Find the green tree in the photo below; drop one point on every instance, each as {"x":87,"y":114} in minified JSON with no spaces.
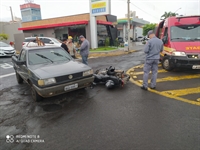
{"x":3,"y":36}
{"x":148,"y":27}
{"x":168,"y":14}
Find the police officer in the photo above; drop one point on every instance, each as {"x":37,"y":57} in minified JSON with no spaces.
{"x":152,"y":50}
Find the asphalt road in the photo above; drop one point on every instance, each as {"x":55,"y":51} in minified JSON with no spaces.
{"x":97,"y":119}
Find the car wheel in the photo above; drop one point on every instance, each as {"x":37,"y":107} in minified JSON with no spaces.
{"x":166,"y":64}
{"x":36,"y":97}
{"x":19,"y":78}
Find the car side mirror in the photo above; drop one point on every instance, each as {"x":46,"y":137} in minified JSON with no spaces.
{"x":19,"y":62}
{"x":164,"y":39}
{"x":51,"y":42}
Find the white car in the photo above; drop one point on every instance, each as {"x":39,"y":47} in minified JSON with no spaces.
{"x":6,"y":50}
{"x":48,"y":41}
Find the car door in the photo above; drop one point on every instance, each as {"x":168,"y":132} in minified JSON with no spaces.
{"x":23,"y":71}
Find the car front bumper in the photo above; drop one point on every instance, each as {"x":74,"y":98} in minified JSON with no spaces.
{"x":7,"y":53}
{"x":184,"y":62}
{"x":59,"y":89}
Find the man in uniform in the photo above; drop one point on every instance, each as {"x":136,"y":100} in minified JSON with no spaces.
{"x":152,"y":50}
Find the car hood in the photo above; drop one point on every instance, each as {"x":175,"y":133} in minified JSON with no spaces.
{"x":187,"y":47}
{"x":7,"y":48}
{"x":58,"y":69}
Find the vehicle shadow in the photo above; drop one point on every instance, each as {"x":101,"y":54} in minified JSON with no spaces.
{"x":191,"y":71}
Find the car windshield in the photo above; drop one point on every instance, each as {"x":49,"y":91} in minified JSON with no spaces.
{"x":55,"y":40}
{"x":185,"y":33}
{"x":2,"y":44}
{"x":50,"y":55}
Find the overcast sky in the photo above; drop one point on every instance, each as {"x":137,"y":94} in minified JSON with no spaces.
{"x":149,"y":10}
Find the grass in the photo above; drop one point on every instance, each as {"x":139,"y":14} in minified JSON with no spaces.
{"x":103,"y":49}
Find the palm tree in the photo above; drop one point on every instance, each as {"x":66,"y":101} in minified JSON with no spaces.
{"x":168,"y":14}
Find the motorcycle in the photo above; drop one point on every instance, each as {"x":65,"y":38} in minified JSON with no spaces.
{"x":111,"y":77}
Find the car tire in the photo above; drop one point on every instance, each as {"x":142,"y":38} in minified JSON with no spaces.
{"x":35,"y":96}
{"x":166,"y":64}
{"x":19,"y":78}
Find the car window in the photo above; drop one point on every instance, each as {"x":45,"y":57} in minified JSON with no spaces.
{"x":45,"y":40}
{"x":50,"y":55}
{"x":22,"y":56}
{"x":29,"y":39}
{"x":55,"y":40}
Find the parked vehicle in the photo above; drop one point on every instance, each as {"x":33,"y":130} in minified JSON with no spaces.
{"x":140,"y":38}
{"x":6,"y":50}
{"x":30,"y":41}
{"x":50,"y":71}
{"x":181,"y":38}
{"x":101,"y":42}
{"x":144,"y":39}
{"x":120,"y":39}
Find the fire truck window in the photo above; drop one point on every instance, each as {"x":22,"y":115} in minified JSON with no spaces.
{"x":165,"y":36}
{"x":166,"y":31}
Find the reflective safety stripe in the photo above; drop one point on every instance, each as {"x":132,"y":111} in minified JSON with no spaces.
{"x":168,"y":49}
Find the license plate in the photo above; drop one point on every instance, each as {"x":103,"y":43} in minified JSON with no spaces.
{"x":196,"y":67}
{"x":70,"y":87}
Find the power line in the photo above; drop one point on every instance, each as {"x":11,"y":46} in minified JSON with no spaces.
{"x":144,"y":11}
{"x":141,"y":9}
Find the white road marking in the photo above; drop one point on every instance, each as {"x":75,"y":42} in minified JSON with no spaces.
{"x":7,"y":75}
{"x":6,"y":66}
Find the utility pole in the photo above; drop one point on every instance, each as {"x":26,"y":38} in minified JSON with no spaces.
{"x":128,"y":15}
{"x":11,"y":14}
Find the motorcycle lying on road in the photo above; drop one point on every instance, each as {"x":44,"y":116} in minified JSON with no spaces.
{"x":111,"y":77}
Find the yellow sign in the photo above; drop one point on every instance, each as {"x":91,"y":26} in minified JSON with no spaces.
{"x":99,"y":5}
{"x":192,"y":48}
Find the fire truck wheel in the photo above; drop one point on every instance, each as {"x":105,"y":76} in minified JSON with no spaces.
{"x":166,"y":64}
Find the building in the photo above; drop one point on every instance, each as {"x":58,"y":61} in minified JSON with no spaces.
{"x":30,"y":12}
{"x":74,"y":26}
{"x":135,"y":26}
{"x":10,"y":28}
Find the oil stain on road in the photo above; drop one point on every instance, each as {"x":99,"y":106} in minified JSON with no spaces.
{"x":182,"y":85}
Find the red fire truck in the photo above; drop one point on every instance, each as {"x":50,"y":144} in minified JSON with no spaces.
{"x":181,"y":38}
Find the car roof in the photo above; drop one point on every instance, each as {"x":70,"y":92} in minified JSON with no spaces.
{"x":40,"y":47}
{"x":38,"y":37}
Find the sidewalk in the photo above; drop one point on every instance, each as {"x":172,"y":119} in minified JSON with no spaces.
{"x":120,"y":51}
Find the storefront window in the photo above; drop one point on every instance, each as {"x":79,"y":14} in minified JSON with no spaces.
{"x":76,"y":31}
{"x":102,"y":35}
